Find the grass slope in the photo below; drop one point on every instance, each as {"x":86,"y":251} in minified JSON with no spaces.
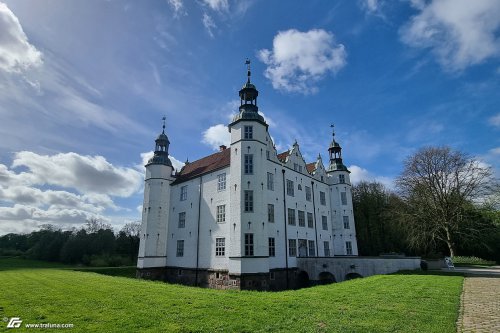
{"x":93,"y":302}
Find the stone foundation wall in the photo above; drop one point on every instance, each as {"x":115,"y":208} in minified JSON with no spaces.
{"x":221,"y":279}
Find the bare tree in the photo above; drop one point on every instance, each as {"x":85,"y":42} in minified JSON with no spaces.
{"x":132,"y":229}
{"x":93,"y":225}
{"x":437,"y":185}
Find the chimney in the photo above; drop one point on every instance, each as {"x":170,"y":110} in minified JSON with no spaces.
{"x":222,"y":147}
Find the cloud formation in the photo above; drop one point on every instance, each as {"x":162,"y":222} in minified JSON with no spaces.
{"x":216,"y":136}
{"x":495,"y":120}
{"x":217,"y":5}
{"x":62,"y":189}
{"x":16,"y":53}
{"x":209,"y":24}
{"x":359,"y":174}
{"x":298,"y":59}
{"x":460,"y":33}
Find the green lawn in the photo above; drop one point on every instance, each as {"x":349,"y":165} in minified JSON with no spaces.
{"x":94,"y":302}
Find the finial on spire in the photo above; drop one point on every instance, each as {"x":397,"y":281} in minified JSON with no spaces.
{"x":333,"y":129}
{"x":164,"y":118}
{"x":247,"y":62}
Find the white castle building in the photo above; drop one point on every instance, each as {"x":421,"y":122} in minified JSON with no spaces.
{"x":242,"y":217}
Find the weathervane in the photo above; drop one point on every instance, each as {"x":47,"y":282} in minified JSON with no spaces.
{"x":333,"y":129}
{"x":164,"y":118}
{"x":247,"y":62}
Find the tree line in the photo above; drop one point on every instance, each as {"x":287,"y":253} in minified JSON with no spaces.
{"x":95,"y":244}
{"x":444,"y":203}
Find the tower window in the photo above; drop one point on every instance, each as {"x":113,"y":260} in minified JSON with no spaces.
{"x":272,"y":247}
{"x":322,"y":198}
{"x":324,"y":222}
{"x":270,"y":181}
{"x":248,"y":201}
{"x":292,"y":247}
{"x":291,"y":216}
{"x":312,"y":248}
{"x":346,"y":221}
{"x":184,"y":192}
{"x":248,"y":244}
{"x":221,"y":182}
{"x":248,"y":164}
{"x":348,"y":248}
{"x":182,"y":220}
{"x":248,"y":132}
{"x":308,"y":194}
{"x":342,"y":179}
{"x":310,"y":221}
{"x":326,"y":248}
{"x":220,"y":247}
{"x":289,"y":188}
{"x":302,"y":218}
{"x":270,"y":213}
{"x":343,"y":198}
{"x":180,"y":248}
{"x":221,"y":213}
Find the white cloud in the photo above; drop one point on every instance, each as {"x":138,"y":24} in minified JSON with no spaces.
{"x":30,"y":193}
{"x":460,"y":33}
{"x":209,"y":24}
{"x":359,"y":174}
{"x":216,"y":136}
{"x":16,"y":53}
{"x":495,"y":120}
{"x":217,"y":5}
{"x":300,"y":59}
{"x":86,"y":174}
{"x":372,"y":7}
{"x":177,"y":6}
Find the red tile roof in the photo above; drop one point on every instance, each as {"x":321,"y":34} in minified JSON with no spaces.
{"x":311,"y":167}
{"x":205,"y":165}
{"x":282,"y":157}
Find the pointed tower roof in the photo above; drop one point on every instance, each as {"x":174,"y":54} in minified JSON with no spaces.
{"x":248,"y":101}
{"x":335,"y":152}
{"x":161,"y":149}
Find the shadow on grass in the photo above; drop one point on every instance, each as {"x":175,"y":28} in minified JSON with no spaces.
{"x":429,"y":272}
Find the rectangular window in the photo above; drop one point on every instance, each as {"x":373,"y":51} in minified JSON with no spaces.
{"x":348,"y":248}
{"x":310,"y":221}
{"x":302,"y":218}
{"x":268,"y":154}
{"x":248,"y":164}
{"x":343,"y":198}
{"x":221,"y":214}
{"x":302,"y":247}
{"x":182,"y":220}
{"x":322,"y":198}
{"x":295,"y":166}
{"x":292,"y":247}
{"x":248,"y":244}
{"x":248,"y":132}
{"x":289,"y":187}
{"x":346,"y":222}
{"x":308,"y":194}
{"x":342,"y":179}
{"x":180,"y":248}
{"x":270,"y":181}
{"x":300,"y":168}
{"x":220,"y":247}
{"x":326,"y":248}
{"x":312,"y":248}
{"x":324,"y":222}
{"x":291,"y":216}
{"x":184,"y":192}
{"x":270,"y":213}
{"x":221,"y":182}
{"x":272,"y":247}
{"x":248,"y":201}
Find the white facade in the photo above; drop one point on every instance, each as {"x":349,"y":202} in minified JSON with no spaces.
{"x":246,"y":209}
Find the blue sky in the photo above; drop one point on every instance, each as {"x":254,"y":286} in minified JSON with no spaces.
{"x":84,"y":85}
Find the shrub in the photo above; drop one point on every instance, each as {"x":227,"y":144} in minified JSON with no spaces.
{"x":471,"y":261}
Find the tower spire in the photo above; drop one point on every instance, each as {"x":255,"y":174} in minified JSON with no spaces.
{"x":164,"y":118}
{"x":335,"y":152}
{"x":249,"y":73}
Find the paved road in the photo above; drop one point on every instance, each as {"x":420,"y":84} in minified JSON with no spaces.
{"x":480,"y":301}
